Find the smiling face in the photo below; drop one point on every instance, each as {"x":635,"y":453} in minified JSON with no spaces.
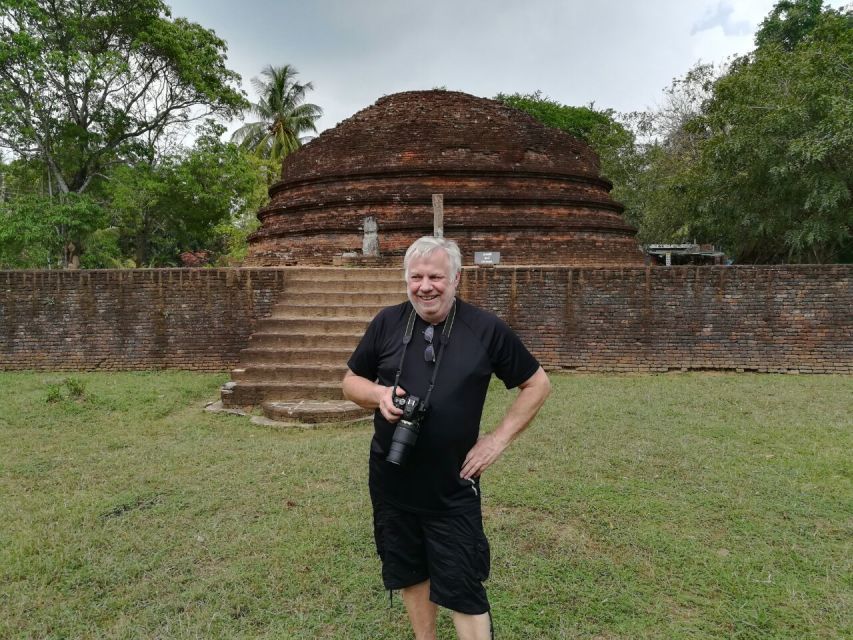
{"x":431,"y":290}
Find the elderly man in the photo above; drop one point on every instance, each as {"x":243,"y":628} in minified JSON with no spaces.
{"x":439,"y":352}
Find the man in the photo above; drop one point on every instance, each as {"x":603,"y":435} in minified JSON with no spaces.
{"x":426,"y":510}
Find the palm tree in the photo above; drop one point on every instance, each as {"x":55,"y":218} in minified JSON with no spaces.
{"x":283,"y":115}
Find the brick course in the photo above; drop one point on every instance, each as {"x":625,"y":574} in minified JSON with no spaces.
{"x":779,"y":318}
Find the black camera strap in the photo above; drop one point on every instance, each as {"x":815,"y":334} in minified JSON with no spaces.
{"x":407,"y":338}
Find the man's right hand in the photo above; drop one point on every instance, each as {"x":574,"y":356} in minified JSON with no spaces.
{"x":386,"y":406}
{"x":370,"y":395}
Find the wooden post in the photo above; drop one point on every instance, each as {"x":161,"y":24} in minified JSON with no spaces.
{"x":438,"y":215}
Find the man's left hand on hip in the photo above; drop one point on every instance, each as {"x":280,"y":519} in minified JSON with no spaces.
{"x":481,"y":456}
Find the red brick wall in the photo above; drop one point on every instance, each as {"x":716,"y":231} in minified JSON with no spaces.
{"x":131,"y":319}
{"x":787,"y":318}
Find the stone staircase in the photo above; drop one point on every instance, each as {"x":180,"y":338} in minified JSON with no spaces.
{"x":296,"y":357}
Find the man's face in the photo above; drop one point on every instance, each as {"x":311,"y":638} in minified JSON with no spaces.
{"x":431,"y":291}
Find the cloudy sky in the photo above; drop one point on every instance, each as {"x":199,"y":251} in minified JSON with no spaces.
{"x":618,"y":54}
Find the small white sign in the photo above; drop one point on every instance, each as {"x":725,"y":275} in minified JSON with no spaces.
{"x":487,"y":257}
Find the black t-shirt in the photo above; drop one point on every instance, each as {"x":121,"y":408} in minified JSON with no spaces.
{"x":480,"y":344}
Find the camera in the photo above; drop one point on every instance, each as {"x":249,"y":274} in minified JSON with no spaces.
{"x":406,"y":434}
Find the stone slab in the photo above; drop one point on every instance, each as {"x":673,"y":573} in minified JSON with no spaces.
{"x":217,"y":407}
{"x":314,"y":411}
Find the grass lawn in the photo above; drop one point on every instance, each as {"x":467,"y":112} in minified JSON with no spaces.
{"x":670,"y":506}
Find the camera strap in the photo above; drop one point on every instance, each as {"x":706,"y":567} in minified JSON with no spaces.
{"x":407,"y":338}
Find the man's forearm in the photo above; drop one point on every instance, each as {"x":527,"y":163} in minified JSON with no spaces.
{"x":370,"y":395}
{"x":520,"y":414}
{"x":524,"y":408}
{"x":362,"y":391}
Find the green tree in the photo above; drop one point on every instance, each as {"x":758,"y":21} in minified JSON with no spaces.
{"x":788,"y":23}
{"x":662,"y":185}
{"x":776,"y":171}
{"x":43,"y":232}
{"x":197,"y":199}
{"x":89,"y":84}
{"x":757,"y":158}
{"x":283,"y":115}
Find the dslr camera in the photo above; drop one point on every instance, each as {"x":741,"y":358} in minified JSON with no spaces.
{"x":406,"y":433}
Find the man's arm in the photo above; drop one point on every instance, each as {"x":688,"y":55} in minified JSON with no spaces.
{"x":533,"y":392}
{"x":370,"y":395}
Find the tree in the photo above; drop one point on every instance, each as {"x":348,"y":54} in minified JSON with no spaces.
{"x":187,"y":201}
{"x":283,"y":114}
{"x":788,"y":23}
{"x":40,"y":232}
{"x":661,"y":187}
{"x":756,"y":159}
{"x":776,"y":170}
{"x":88,"y":84}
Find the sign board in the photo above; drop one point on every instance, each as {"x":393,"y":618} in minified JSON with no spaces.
{"x":487,"y":257}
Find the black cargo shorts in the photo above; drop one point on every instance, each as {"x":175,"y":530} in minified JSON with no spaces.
{"x":449,"y":550}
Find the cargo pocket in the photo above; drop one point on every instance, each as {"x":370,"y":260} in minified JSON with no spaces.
{"x":379,"y":533}
{"x":483,"y":559}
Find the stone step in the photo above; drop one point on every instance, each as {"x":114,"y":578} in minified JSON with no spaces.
{"x":348,"y":276}
{"x":283,"y":373}
{"x":321,"y":355}
{"x":287,"y":311}
{"x":251,"y":394}
{"x":296,"y":358}
{"x":344,"y":273}
{"x":314,"y":411}
{"x":347,"y":296}
{"x":287,"y":341}
{"x":367,"y":285}
{"x":312,"y":326}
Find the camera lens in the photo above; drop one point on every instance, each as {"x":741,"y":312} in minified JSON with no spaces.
{"x":402,"y":442}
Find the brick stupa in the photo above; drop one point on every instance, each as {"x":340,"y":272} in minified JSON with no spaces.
{"x":510,"y":184}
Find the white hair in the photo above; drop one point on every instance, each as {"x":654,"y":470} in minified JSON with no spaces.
{"x":426,"y":245}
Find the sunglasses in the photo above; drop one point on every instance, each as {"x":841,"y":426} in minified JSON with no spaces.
{"x":429,"y":352}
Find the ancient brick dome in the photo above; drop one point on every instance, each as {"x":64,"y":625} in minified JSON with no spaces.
{"x":509,"y":183}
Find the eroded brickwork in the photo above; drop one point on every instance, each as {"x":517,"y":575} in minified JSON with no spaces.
{"x":787,"y":318}
{"x":510,"y":184}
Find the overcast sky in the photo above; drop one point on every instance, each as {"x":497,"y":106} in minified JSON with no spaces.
{"x":619,"y":54}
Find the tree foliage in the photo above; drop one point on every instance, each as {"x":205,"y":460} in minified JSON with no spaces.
{"x":760,"y":163}
{"x":182,"y":202}
{"x":777,"y":167}
{"x":283,"y":115}
{"x":146,"y":214}
{"x":92,"y":83}
{"x":789,"y":22}
{"x":662,"y":191}
{"x":37,"y":232}
{"x":93,"y":96}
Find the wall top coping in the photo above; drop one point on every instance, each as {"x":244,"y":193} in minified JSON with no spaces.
{"x":501,"y":268}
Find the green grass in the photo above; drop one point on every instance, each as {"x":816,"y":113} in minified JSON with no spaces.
{"x":672,"y":506}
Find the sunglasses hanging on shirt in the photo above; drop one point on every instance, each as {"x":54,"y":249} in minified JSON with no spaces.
{"x":429,"y":352}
